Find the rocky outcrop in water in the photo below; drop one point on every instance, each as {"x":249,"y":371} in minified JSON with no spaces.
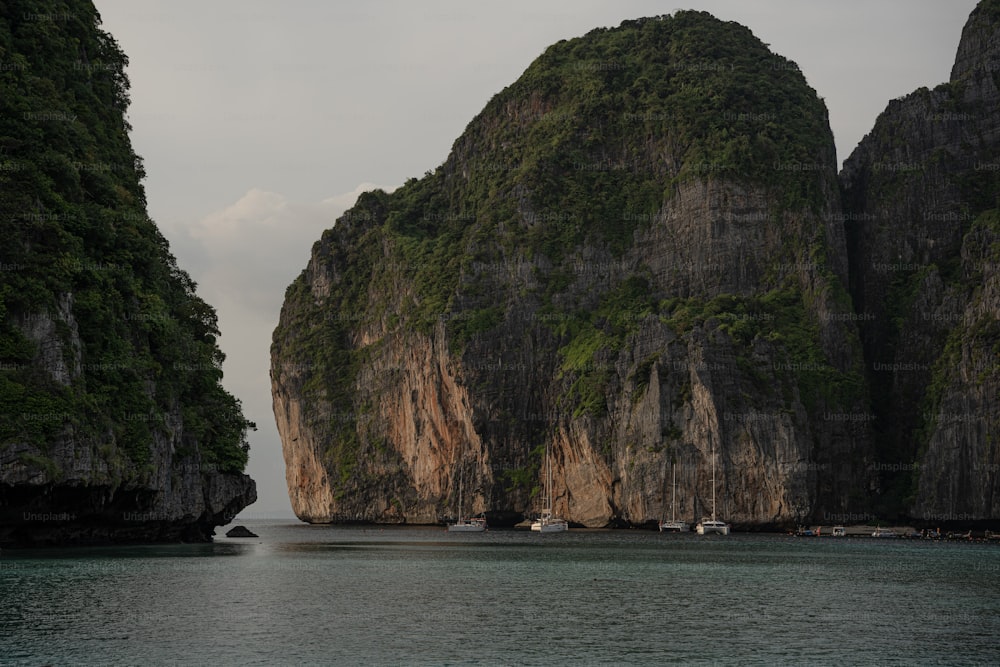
{"x":633,"y":258}
{"x":240,"y":531}
{"x":921,"y":196}
{"x":113,"y":424}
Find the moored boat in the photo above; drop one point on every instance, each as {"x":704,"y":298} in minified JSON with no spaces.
{"x":464,"y":524}
{"x":549,"y":524}
{"x":711,"y":525}
{"x":674,"y":525}
{"x":546,"y":522}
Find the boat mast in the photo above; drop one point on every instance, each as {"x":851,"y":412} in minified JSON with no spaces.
{"x":713,"y":480}
{"x":548,"y":484}
{"x":673,"y":496}
{"x":663,"y":496}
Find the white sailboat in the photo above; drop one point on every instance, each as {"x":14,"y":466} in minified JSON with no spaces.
{"x":711,"y":525}
{"x":674,"y":525}
{"x":546,"y":523}
{"x":465,"y":524}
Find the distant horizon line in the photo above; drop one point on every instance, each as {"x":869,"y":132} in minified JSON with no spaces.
{"x":266,"y":514}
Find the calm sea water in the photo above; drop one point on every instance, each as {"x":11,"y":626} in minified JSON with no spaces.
{"x":316,"y":595}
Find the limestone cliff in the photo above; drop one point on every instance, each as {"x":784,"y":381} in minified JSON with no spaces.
{"x":113,"y":424}
{"x":921,"y":193}
{"x":633,"y":258}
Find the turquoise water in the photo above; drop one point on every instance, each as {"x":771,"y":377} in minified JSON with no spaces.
{"x":311,"y":595}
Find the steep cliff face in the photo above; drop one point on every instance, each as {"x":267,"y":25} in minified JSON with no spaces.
{"x":113,"y":424}
{"x":632,"y":258}
{"x":958,"y":478}
{"x":920,"y":193}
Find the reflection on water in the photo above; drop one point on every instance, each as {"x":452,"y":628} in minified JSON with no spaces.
{"x":198,"y":550}
{"x":360,"y":595}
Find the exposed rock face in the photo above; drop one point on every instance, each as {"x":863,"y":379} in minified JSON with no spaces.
{"x":113,"y":424}
{"x":80,"y":492}
{"x":88,"y":507}
{"x":921,"y":192}
{"x":616,"y":265}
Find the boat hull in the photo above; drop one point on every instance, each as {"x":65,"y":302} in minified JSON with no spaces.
{"x":713,"y":528}
{"x":884,"y":533}
{"x":466,"y":526}
{"x":674,"y":527}
{"x":555,"y":526}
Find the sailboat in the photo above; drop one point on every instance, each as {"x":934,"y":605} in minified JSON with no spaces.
{"x":547,"y":523}
{"x":674,"y":525}
{"x":465,"y":524}
{"x":709,"y":526}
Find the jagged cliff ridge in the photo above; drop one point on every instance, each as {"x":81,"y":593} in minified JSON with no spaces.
{"x":921,"y":195}
{"x":633,"y":257}
{"x":113,"y":424}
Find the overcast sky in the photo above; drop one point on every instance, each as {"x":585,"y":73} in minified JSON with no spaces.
{"x":259,"y":122}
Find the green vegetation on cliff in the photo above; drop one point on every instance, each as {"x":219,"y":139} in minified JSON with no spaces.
{"x":81,"y":259}
{"x":587,"y":146}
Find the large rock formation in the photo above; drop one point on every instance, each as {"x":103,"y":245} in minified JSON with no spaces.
{"x":632,"y":258}
{"x":113,"y":424}
{"x":921,"y":196}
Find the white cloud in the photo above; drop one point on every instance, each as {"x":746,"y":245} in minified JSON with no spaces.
{"x":250,"y":251}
